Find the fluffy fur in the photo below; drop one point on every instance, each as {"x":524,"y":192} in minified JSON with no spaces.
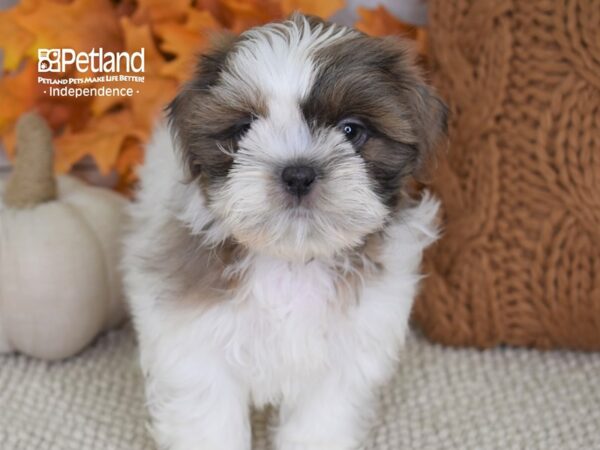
{"x":244,"y":294}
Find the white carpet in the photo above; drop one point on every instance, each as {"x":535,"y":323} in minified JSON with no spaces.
{"x":441,"y":399}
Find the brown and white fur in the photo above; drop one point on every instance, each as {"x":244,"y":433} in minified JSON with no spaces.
{"x":249,"y":287}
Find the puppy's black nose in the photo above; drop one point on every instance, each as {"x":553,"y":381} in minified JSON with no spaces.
{"x":298,"y":179}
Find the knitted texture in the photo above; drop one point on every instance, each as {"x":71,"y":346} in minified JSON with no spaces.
{"x":519,"y":262}
{"x":440,"y":399}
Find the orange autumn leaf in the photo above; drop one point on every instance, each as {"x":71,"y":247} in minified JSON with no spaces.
{"x":183,"y":39}
{"x":9,"y":141}
{"x":379,"y":22}
{"x":80,"y":24}
{"x":315,"y":7}
{"x":136,"y":37}
{"x":103,"y":139}
{"x":14,"y":40}
{"x":421,"y":39}
{"x":126,"y":7}
{"x":179,"y":69}
{"x":161,"y":10}
{"x":185,"y":42}
{"x":146,"y":107}
{"x":64,"y":111}
{"x":131,"y":156}
{"x":150,"y":96}
{"x":243,"y":14}
{"x":17,"y":94}
{"x":214,"y":7}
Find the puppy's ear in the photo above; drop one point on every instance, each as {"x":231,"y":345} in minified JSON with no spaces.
{"x":210,"y":64}
{"x":183,"y":109}
{"x":428,"y":113}
{"x":208,"y":69}
{"x":430,"y":121}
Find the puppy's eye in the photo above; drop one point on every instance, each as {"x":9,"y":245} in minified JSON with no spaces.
{"x":236,"y":131}
{"x":241,"y":129}
{"x":354,"y":130}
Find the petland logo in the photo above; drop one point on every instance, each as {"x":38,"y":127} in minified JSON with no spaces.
{"x":110,"y":72}
{"x":60,"y":59}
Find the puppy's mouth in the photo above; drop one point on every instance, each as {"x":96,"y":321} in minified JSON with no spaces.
{"x":301,"y":206}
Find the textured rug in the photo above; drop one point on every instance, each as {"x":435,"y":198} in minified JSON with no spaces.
{"x":441,"y":398}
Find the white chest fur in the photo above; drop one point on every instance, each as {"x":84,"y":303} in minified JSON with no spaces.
{"x":286,"y":325}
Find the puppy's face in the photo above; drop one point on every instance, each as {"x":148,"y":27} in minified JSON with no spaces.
{"x":300,"y":135}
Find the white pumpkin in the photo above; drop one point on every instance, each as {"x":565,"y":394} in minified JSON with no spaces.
{"x":59,"y":254}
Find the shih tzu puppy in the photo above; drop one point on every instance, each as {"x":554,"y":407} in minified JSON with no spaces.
{"x":275,"y":254}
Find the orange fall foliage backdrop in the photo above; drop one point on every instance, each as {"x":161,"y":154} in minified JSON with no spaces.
{"x":112,"y":130}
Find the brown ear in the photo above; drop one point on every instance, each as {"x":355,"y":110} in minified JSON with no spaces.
{"x":208,"y":70}
{"x":431,"y":120}
{"x":181,"y":111}
{"x":428,"y":112}
{"x":210,"y":64}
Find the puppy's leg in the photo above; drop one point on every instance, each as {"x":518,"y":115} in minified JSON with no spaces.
{"x":196,"y":404}
{"x":334,"y":414}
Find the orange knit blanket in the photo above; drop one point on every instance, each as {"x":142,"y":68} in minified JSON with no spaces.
{"x":519,"y":262}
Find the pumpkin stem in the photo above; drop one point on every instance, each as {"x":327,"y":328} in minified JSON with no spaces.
{"x":32,"y":180}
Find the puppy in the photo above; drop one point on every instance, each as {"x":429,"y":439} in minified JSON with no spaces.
{"x":275,"y":254}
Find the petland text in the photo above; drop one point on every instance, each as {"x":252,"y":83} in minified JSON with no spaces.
{"x":97,"y":60}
